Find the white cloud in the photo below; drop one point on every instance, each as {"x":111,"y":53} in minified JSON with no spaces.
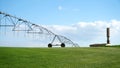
{"x":60,"y":28}
{"x":83,"y":33}
{"x":60,"y":7}
{"x":86,"y":33}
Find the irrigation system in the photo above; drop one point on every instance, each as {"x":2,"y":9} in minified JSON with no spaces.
{"x":19,"y":24}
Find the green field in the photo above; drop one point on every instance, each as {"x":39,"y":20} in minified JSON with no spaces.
{"x":96,"y":57}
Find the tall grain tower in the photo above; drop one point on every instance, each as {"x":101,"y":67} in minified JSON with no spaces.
{"x":108,"y":35}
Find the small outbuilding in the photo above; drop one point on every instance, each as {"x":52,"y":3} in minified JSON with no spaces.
{"x":98,"y":45}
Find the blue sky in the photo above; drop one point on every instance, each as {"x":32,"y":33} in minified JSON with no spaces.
{"x":62,"y":11}
{"x":67,"y":15}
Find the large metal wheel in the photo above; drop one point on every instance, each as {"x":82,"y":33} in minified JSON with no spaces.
{"x":62,"y":45}
{"x":49,"y":45}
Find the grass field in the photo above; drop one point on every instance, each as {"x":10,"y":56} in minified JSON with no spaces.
{"x":100,"y":57}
